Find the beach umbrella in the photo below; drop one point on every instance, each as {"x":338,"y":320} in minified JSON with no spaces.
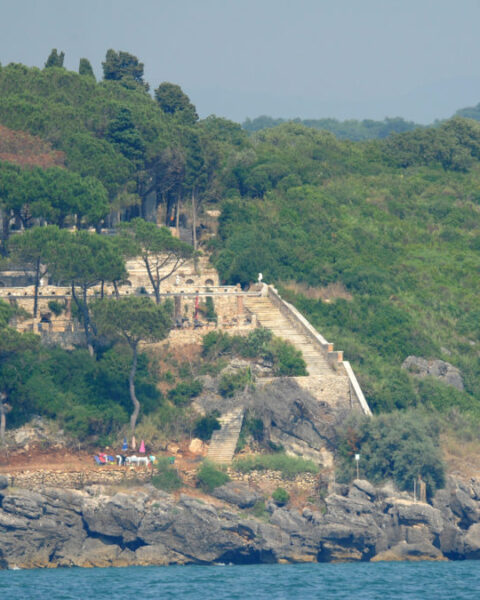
{"x":142,"y":448}
{"x":124,"y":445}
{"x":134,"y":442}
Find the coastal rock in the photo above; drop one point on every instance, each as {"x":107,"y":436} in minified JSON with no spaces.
{"x":117,"y":517}
{"x":439,"y":369}
{"x":58,"y":527}
{"x":364,"y":487}
{"x":410,"y":552}
{"x":472,"y":542}
{"x":413,"y":513}
{"x":237,"y":493}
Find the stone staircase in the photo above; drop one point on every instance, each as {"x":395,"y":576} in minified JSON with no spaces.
{"x":224,"y":441}
{"x":324,"y":382}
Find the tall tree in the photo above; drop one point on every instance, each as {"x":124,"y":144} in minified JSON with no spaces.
{"x":85,"y":68}
{"x":122,"y":66}
{"x":14,"y":349}
{"x":84,"y":260}
{"x":31,"y":250}
{"x":10,"y":177}
{"x":133,"y":319}
{"x":123,"y":134}
{"x":161,"y":253}
{"x":55,"y":59}
{"x":174,"y":101}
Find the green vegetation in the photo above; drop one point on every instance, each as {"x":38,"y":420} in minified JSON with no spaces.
{"x":157,"y":247}
{"x":88,"y":396}
{"x":398,"y":446}
{"x":375,"y":241}
{"x":210,"y":476}
{"x":280,"y":496}
{"x":260,"y":344}
{"x":166,"y":477}
{"x":133,"y":319}
{"x":234,"y":381}
{"x":290,"y":466}
{"x":205,"y":426}
{"x":183,"y":393}
{"x":252,"y":428}
{"x":57,"y":308}
{"x":393,"y":224}
{"x":344,"y":130}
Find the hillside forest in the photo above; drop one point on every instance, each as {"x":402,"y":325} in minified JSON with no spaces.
{"x":374,"y":237}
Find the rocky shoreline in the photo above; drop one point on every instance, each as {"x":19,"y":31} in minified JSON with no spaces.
{"x":54,"y":527}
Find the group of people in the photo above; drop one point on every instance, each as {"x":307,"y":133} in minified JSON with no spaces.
{"x":122,"y":459}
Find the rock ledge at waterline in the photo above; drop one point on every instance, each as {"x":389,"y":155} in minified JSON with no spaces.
{"x":54,"y":527}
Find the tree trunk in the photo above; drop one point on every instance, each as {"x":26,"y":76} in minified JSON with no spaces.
{"x":5,"y":231}
{"x":194,"y":220}
{"x":177,"y":216}
{"x":3,"y":418}
{"x":115,"y":287}
{"x":155,"y":284}
{"x":131,"y":383}
{"x":83,"y":308}
{"x":37,"y":285}
{"x":102,"y":289}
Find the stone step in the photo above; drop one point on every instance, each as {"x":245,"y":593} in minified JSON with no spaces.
{"x":224,"y":441}
{"x":323,"y":382}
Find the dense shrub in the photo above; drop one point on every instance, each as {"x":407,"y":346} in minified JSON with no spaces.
{"x":166,"y":477}
{"x":280,"y":496}
{"x":208,"y":310}
{"x":185,"y":391}
{"x":205,"y":426}
{"x":56,"y":307}
{"x":234,"y":381}
{"x":287,"y":360}
{"x":399,"y":446}
{"x":252,"y":427}
{"x":210,"y":477}
{"x":258,"y":344}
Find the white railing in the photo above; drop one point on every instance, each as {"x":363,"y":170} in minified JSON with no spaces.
{"x":334,"y":357}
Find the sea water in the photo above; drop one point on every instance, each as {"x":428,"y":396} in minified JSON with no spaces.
{"x":323,"y":581}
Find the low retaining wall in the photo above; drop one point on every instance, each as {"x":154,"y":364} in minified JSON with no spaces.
{"x":77,"y":480}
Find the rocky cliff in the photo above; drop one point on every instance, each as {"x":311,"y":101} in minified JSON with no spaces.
{"x":52,"y":527}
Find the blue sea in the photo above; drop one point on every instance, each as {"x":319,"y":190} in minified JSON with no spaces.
{"x":325,"y":581}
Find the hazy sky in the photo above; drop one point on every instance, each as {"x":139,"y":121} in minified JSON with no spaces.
{"x":236,"y":58}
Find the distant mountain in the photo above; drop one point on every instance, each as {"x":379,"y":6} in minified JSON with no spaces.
{"x":344,"y":130}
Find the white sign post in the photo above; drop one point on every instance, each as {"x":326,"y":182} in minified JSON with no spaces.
{"x":357,"y":460}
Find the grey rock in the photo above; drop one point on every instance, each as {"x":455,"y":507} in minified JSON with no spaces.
{"x":417,"y":534}
{"x":24,"y":504}
{"x":56,"y":527}
{"x":237,"y":493}
{"x":365,"y":487}
{"x":441,"y":370}
{"x":472,"y":542}
{"x":3,"y":482}
{"x":417,"y":513}
{"x":117,"y":517}
{"x":405,"y":551}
